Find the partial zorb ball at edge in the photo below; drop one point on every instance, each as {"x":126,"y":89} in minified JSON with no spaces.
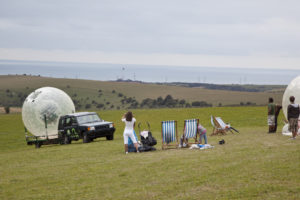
{"x":293,"y":89}
{"x":49,"y":103}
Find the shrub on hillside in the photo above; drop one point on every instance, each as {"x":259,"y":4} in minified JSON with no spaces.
{"x":201,"y":104}
{"x":188,"y":105}
{"x":7,"y":109}
{"x":100,"y":105}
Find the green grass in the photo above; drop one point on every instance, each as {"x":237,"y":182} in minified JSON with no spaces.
{"x":251,"y":165}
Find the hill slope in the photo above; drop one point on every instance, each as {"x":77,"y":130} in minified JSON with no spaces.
{"x":88,"y":94}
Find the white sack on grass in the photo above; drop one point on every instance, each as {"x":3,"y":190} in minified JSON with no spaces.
{"x":201,"y":147}
{"x":144,"y":134}
{"x":285,"y":130}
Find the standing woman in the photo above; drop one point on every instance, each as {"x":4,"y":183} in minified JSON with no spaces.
{"x":129,"y":121}
{"x":293,"y":115}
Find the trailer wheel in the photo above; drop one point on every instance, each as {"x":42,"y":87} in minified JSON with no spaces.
{"x":86,"y":138}
{"x":110,"y":137}
{"x":38,"y":145}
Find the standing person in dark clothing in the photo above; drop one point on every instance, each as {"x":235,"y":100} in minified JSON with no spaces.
{"x":277,"y":111}
{"x":271,"y":115}
{"x":293,"y":112}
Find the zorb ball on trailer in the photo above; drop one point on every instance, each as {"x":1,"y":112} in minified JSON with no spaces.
{"x":293,"y":89}
{"x":43,"y":107}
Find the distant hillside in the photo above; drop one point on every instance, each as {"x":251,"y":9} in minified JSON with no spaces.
{"x":230,"y":87}
{"x":233,"y":87}
{"x":91,"y":95}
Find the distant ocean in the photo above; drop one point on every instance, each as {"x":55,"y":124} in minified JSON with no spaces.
{"x":147,"y":73}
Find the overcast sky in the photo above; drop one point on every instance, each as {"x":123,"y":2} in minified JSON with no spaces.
{"x":231,"y":33}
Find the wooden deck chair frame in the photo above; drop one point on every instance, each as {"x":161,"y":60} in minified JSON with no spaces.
{"x":166,"y":126}
{"x":192,"y":131}
{"x":217,"y":128}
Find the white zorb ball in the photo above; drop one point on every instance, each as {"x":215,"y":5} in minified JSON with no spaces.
{"x":293,"y":89}
{"x":46,"y":102}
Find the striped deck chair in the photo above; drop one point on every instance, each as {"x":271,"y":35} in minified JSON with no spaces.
{"x":169,"y":134}
{"x":219,"y":126}
{"x":190,"y":129}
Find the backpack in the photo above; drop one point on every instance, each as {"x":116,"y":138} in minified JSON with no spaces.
{"x":149,"y":141}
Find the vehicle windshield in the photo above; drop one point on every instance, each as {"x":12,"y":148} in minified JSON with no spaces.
{"x":88,"y":119}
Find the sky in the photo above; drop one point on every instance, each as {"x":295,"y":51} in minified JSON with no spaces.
{"x":216,"y":33}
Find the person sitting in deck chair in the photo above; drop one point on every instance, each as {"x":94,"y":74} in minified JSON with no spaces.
{"x":225,"y":126}
{"x":220,"y":127}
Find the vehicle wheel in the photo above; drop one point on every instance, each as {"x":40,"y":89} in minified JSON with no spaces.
{"x":86,"y":138}
{"x":110,"y":137}
{"x":38,"y":145}
{"x":66,"y":140}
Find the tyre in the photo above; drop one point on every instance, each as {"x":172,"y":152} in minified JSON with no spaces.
{"x":66,"y":139}
{"x":38,"y":145}
{"x":86,"y":138}
{"x":110,"y":137}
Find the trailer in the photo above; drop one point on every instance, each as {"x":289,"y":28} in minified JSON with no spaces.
{"x":46,"y":139}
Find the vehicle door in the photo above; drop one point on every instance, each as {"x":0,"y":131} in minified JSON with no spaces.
{"x":61,"y":123}
{"x":68,"y":126}
{"x":74,"y":128}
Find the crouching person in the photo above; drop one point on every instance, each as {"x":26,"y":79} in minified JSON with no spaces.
{"x":131,"y":147}
{"x":202,"y":134}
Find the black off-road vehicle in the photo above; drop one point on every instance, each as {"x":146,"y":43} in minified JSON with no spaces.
{"x":84,"y":125}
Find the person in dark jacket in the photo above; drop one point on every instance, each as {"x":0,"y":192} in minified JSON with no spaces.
{"x":277,"y":111}
{"x":293,"y":112}
{"x":271,"y":115}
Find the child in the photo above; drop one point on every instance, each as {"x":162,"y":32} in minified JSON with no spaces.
{"x":202,"y":133}
{"x":131,"y":147}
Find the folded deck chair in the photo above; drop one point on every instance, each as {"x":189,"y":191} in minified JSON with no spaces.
{"x":219,"y":126}
{"x":169,"y":134}
{"x":190,"y":129}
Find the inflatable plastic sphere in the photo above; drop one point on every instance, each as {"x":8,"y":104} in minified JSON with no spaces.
{"x":293,"y":89}
{"x":45,"y":104}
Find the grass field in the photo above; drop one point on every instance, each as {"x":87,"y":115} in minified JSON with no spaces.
{"x":251,"y":165}
{"x":87,"y":92}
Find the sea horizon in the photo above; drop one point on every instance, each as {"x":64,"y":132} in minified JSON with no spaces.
{"x":149,"y":73}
